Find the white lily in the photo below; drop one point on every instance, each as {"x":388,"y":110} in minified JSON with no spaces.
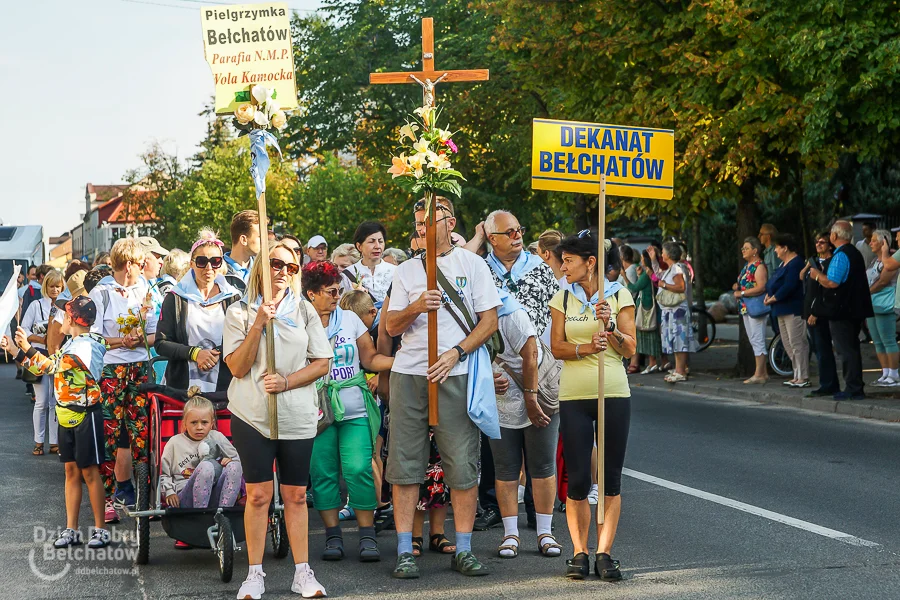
{"x":440,"y":163}
{"x":408,"y":131}
{"x":260,"y":93}
{"x":425,"y":113}
{"x":272,"y":107}
{"x":261,"y":119}
{"x":444,"y":135}
{"x":421,"y":146}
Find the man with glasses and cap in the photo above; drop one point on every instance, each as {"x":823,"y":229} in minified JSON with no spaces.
{"x":316,"y":249}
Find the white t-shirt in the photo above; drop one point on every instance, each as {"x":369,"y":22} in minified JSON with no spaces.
{"x":346,"y":363}
{"x":515,"y":329}
{"x":471,"y":277}
{"x":204,"y":329}
{"x":298,"y":413}
{"x":120,"y":316}
{"x":377,"y":283}
{"x":36,"y":318}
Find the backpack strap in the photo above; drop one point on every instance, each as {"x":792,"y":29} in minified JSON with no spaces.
{"x":565,"y":302}
{"x":451,"y":293}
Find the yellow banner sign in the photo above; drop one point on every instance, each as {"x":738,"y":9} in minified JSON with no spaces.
{"x":247,"y":45}
{"x":569,"y":156}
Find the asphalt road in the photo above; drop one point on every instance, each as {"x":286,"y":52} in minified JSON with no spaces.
{"x":703,"y":474}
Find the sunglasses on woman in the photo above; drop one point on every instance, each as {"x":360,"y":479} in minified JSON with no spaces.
{"x":333,"y":292}
{"x":277,"y":265}
{"x":203,"y":261}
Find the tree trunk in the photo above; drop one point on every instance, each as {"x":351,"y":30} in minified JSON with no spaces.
{"x":747,"y":223}
{"x":697,"y":263}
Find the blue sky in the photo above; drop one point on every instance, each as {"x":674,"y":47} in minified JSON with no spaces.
{"x":88,"y":85}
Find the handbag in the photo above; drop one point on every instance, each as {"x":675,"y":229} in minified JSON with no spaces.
{"x":548,"y":380}
{"x":671,"y":299}
{"x":883,"y":300}
{"x":646,"y":318}
{"x":756,"y":308}
{"x":323,"y":399}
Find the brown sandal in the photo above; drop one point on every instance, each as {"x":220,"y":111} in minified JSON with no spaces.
{"x":514,"y":549}
{"x":38,"y":450}
{"x":54,"y":449}
{"x":550,"y":545}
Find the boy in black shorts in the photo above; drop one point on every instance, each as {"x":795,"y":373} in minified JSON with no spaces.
{"x":76,"y":370}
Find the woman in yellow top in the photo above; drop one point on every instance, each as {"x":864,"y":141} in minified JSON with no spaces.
{"x":576,"y":338}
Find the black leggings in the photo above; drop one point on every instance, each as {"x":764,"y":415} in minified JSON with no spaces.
{"x":258,"y":454}
{"x":577,"y":426}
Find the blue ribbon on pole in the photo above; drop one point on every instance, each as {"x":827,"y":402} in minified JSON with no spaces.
{"x":259,"y":166}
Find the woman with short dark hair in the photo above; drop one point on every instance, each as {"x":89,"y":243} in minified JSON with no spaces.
{"x":577,"y":314}
{"x":784,"y":293}
{"x":371,"y":273}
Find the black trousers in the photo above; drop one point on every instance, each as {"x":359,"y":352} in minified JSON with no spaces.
{"x":828,"y":379}
{"x":845,"y":334}
{"x":487,"y":495}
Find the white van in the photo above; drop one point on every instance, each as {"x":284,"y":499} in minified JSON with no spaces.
{"x":20,"y":244}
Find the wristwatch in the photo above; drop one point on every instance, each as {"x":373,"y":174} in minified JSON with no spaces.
{"x":462,"y":353}
{"x":611,"y":327}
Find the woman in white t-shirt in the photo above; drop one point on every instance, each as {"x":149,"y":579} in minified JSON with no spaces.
{"x":302,"y":354}
{"x":193,"y":320}
{"x":35,"y":323}
{"x":371,"y":273}
{"x":346,"y":447}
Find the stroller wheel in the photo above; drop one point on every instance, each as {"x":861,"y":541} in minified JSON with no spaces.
{"x":225,"y":548}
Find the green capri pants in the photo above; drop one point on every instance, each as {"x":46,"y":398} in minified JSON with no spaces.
{"x":344,"y":448}
{"x":881,"y":328}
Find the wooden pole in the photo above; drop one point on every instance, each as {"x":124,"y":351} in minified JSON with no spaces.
{"x":271,"y":399}
{"x":431,"y":283}
{"x":601,"y":371}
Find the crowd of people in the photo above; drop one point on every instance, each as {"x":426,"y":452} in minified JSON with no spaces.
{"x":522,"y":330}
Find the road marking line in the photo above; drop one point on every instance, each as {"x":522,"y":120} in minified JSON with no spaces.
{"x":754,"y":510}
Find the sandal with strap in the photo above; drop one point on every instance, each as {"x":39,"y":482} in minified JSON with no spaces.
{"x":551,"y":548}
{"x":38,"y":450}
{"x":368,"y":550}
{"x":417,"y":544}
{"x":440,"y":544}
{"x":54,"y":449}
{"x":606,"y":568}
{"x":511,"y":547}
{"x":334,"y":548}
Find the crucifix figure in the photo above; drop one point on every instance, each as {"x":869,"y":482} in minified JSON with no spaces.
{"x":428,"y":78}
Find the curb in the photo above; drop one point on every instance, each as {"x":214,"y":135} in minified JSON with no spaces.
{"x":851,"y":408}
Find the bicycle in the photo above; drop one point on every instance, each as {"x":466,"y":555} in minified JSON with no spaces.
{"x":704,"y":327}
{"x":779,"y":359}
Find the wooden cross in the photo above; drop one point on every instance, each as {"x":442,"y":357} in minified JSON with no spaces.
{"x":428,"y":78}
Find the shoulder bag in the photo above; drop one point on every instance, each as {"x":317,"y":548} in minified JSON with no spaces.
{"x":548,"y":379}
{"x":28,"y":376}
{"x":671,"y":299}
{"x":645,"y":319}
{"x":756,"y":308}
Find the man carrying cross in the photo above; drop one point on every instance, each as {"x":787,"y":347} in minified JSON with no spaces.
{"x":464,"y":399}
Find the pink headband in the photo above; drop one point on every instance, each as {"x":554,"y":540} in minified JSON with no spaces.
{"x":199,"y":243}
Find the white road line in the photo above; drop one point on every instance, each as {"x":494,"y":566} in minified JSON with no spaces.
{"x":754,"y":510}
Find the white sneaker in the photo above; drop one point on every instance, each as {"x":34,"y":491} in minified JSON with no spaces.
{"x":880,"y":380}
{"x":69,"y":537}
{"x":521,"y":494}
{"x":594,"y":495}
{"x":306,"y":584}
{"x":889,"y":382}
{"x":253,"y":587}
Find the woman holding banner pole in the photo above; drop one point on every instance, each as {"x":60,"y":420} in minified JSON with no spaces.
{"x":574,"y":336}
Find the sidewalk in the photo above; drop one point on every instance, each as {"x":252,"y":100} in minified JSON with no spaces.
{"x":712,"y":373}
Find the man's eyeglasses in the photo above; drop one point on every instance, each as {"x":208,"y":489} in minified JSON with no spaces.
{"x":203,"y":261}
{"x":513,"y":234}
{"x":421,"y":224}
{"x":277,"y":265}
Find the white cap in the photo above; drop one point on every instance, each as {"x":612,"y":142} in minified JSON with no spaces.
{"x":315,"y":241}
